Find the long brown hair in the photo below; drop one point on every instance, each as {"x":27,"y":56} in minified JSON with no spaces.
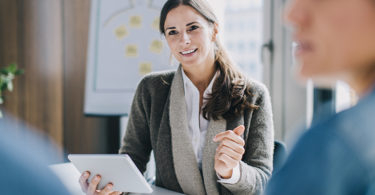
{"x":230,"y":91}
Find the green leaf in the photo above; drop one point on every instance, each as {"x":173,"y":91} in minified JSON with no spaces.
{"x":3,"y":86}
{"x":3,"y":71}
{"x":12,"y":68}
{"x":7,"y":75}
{"x":19,"y":71}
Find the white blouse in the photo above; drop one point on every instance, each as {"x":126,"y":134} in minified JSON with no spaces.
{"x":198,"y":125}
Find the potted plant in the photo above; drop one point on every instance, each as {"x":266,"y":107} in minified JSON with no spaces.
{"x":7,"y":75}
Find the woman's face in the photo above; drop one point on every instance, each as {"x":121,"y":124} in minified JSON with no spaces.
{"x":334,"y":37}
{"x":190,"y":37}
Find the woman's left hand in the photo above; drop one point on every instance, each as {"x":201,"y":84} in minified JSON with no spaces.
{"x":229,"y":152}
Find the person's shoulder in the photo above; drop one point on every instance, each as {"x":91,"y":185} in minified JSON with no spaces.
{"x":356,"y":123}
{"x":335,"y":150}
{"x":355,"y":127}
{"x":258,"y":90}
{"x":157,"y":80}
{"x":351,"y":130}
{"x":160,"y":74}
{"x":257,"y":87}
{"x":17,"y":143}
{"x":319,"y":157}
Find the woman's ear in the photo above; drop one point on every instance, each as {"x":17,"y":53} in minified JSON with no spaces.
{"x":215,"y":31}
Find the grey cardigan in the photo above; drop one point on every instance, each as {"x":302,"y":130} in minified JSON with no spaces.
{"x":158,"y":122}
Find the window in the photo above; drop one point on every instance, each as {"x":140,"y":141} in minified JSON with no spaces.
{"x":242,"y":29}
{"x":345,"y":96}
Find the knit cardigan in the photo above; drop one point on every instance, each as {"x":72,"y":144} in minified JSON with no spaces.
{"x":158,"y":122}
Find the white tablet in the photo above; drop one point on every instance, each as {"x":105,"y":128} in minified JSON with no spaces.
{"x":118,"y":169}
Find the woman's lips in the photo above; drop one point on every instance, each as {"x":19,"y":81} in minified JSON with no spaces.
{"x":188,"y":53}
{"x":303,"y":47}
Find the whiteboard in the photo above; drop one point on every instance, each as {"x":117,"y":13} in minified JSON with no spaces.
{"x":124,"y":45}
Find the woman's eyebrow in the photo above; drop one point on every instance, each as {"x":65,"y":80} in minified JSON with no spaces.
{"x":188,"y":24}
{"x":191,"y":23}
{"x":172,"y":27}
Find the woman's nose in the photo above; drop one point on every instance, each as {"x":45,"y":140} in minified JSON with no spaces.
{"x":186,"y":39}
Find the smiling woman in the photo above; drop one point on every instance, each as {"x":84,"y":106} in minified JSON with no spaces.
{"x":209,"y":126}
{"x":192,"y":37}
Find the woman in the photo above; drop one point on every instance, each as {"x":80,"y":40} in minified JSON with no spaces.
{"x":183,"y":115}
{"x":336,"y":40}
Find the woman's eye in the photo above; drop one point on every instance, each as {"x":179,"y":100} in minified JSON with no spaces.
{"x":193,"y":28}
{"x":172,"y":32}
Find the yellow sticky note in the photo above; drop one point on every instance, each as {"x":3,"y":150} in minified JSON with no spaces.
{"x":145,"y":68}
{"x":155,"y":23}
{"x":135,"y":21}
{"x":156,"y":46}
{"x":121,"y":32}
{"x":131,"y":51}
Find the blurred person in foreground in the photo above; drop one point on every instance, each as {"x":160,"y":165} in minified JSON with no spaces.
{"x":24,"y":159}
{"x":336,"y":40}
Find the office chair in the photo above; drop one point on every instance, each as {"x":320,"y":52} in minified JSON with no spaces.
{"x":279,"y":156}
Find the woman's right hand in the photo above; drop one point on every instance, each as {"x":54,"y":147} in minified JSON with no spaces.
{"x":90,"y":188}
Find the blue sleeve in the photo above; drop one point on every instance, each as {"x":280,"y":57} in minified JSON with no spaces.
{"x":25,"y":176}
{"x":24,"y":159}
{"x":321,"y":163}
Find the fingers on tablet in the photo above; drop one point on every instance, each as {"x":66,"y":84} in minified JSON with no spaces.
{"x":93,"y":184}
{"x":83,"y":181}
{"x":107,"y":189}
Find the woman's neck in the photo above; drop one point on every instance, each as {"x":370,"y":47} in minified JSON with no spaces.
{"x":363,"y":82}
{"x":202,"y":76}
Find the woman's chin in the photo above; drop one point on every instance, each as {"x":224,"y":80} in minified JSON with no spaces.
{"x":324,"y":82}
{"x":319,"y":78}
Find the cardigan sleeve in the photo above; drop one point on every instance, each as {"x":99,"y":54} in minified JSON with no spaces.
{"x":257,"y":161}
{"x":136,"y":142}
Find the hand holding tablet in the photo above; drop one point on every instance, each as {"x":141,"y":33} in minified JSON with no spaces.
{"x":90,"y":188}
{"x":116,"y":173}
